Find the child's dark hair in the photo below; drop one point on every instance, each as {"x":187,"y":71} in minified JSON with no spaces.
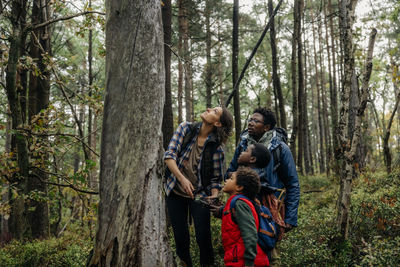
{"x":248,"y":178}
{"x":268,"y":115}
{"x":262,"y":155}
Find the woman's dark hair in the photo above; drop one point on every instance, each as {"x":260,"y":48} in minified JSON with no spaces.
{"x":268,"y":115}
{"x":225,"y":130}
{"x":262,"y":155}
{"x":248,"y":178}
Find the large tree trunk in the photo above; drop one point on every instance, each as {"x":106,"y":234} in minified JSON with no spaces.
{"x":132,"y":230}
{"x":168,"y":119}
{"x":275,"y":76}
{"x":39,"y":96}
{"x":181,"y":18}
{"x":235,"y":70}
{"x":17,"y":217}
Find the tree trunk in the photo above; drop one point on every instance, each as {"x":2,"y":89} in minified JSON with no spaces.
{"x":386,"y":150}
{"x":168,"y":119}
{"x":334,"y":89}
{"x":293,"y":67}
{"x":300,"y":155}
{"x":275,"y":76}
{"x":131,"y":226}
{"x":319,"y":110}
{"x":17,"y":221}
{"x":208,"y":68}
{"x":184,"y":7}
{"x":180,"y":64}
{"x":350,"y":147}
{"x":39,"y":95}
{"x":235,"y":70}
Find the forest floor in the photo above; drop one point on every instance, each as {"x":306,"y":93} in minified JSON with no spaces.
{"x":374,"y":238}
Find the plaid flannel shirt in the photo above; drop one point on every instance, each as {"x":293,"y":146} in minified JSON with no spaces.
{"x":174,"y":149}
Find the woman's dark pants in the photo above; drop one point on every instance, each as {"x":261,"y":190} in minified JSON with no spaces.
{"x":178,"y":208}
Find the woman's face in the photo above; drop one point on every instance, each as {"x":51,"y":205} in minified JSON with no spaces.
{"x":212,"y":116}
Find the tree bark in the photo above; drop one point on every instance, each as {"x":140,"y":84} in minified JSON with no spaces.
{"x":333,"y":89}
{"x":275,"y":61}
{"x":39,"y":96}
{"x":319,"y":110}
{"x":180,"y":64}
{"x":168,"y":119}
{"x":350,"y":146}
{"x":131,"y":226}
{"x":235,"y":70}
{"x":386,"y":150}
{"x":18,"y":221}
{"x":300,"y":89}
{"x":293,"y":67}
{"x":208,"y":68}
{"x":185,"y":5}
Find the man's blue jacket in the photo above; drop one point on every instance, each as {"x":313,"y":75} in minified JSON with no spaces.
{"x":284,"y":177}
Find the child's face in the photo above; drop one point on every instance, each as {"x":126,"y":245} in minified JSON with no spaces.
{"x":230,"y":186}
{"x":245,"y":157}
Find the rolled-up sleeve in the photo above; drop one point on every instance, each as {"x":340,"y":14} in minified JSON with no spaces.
{"x":176,"y":142}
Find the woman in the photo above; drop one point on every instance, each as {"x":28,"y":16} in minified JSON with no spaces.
{"x":195,"y":161}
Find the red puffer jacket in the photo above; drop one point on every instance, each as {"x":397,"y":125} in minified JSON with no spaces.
{"x":233,"y":242}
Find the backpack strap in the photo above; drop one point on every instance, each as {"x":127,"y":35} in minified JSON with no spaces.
{"x":232,"y":206}
{"x":276,"y":153}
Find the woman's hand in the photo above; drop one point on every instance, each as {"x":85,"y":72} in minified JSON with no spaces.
{"x":187,"y":186}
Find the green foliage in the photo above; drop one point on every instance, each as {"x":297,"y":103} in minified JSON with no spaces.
{"x":70,"y":250}
{"x":374,"y":236}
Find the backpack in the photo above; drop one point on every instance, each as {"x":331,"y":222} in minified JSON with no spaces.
{"x":267,"y":231}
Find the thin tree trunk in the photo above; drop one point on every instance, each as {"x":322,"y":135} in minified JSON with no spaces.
{"x":333,"y":92}
{"x":386,"y":150}
{"x":184,"y":5}
{"x":168,"y":119}
{"x":293,"y":68}
{"x":275,"y":76}
{"x":307,"y":150}
{"x":180,"y":65}
{"x":131,"y":226}
{"x":208,"y":68}
{"x":235,"y":70}
{"x":301,"y":95}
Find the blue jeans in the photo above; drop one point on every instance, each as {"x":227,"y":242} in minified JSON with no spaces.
{"x":178,"y":211}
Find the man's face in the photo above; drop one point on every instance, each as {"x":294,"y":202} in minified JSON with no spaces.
{"x":256,"y":126}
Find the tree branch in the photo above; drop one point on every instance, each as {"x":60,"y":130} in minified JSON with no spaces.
{"x":46,"y":23}
{"x":235,"y":88}
{"x":62,"y":185}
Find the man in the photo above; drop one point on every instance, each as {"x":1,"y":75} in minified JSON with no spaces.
{"x":280,"y":173}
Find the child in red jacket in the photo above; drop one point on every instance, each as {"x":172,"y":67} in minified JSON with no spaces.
{"x":240,"y":225}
